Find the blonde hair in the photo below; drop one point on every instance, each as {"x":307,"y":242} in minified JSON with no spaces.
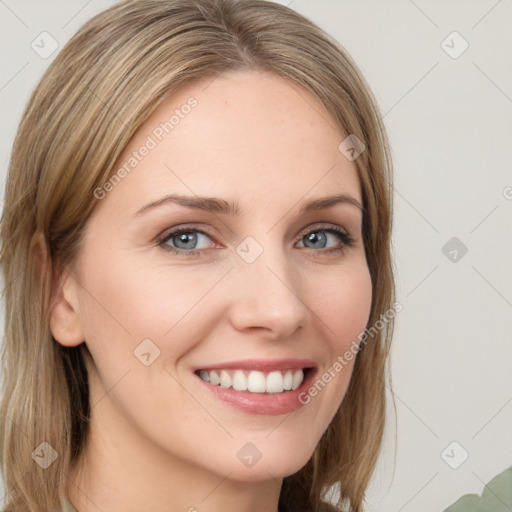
{"x":94,"y":96}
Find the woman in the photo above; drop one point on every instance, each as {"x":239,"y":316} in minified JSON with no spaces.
{"x":196,"y":255}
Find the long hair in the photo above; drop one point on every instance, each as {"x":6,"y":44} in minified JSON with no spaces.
{"x":106,"y":81}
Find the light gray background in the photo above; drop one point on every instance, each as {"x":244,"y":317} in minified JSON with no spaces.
{"x":450,"y":126}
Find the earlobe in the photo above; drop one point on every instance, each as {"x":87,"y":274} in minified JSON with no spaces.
{"x":64,"y":314}
{"x":64,"y":320}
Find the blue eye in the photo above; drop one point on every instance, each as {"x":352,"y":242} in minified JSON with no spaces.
{"x":185,"y":241}
{"x":319,"y":236}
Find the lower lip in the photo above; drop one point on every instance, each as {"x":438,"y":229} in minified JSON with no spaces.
{"x":262,"y":404}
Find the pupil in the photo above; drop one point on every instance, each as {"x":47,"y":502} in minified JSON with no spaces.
{"x":313,"y":237}
{"x":183,"y":239}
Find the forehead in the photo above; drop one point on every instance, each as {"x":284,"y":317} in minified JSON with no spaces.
{"x":245,"y":135}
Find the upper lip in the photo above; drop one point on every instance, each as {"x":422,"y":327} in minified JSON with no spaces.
{"x":261,"y":365}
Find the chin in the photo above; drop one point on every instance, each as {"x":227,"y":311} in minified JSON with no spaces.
{"x":262,"y":459}
{"x":265,"y":471}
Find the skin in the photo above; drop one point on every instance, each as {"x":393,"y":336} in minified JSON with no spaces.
{"x":159,"y":440}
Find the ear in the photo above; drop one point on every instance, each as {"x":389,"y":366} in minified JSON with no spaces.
{"x":64,"y":313}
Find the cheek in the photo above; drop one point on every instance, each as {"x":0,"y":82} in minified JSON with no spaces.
{"x":343,"y":310}
{"x":343,"y":305}
{"x":126,"y":301}
{"x":130,"y":301}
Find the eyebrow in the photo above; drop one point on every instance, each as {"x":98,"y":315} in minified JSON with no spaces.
{"x":221,"y":206}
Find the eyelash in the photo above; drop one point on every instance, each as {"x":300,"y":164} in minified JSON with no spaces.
{"x":346,"y":238}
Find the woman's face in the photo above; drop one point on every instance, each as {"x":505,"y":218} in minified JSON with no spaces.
{"x":254,"y":288}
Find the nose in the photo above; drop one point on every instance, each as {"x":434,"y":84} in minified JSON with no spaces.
{"x":267,"y":296}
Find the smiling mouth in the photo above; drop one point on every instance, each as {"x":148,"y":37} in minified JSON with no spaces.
{"x":254,"y":381}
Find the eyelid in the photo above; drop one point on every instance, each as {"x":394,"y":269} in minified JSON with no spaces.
{"x":347,"y":240}
{"x":176,"y":230}
{"x":193,"y":227}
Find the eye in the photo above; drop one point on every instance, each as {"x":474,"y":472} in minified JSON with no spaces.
{"x":319,"y":238}
{"x":189,"y":242}
{"x":185,"y":240}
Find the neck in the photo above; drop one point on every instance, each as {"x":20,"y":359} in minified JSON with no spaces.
{"x":119,"y":470}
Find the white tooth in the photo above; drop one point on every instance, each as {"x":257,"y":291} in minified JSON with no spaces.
{"x":239,"y":381}
{"x":298,"y":377}
{"x":225,"y":379}
{"x":287,"y":381}
{"x":274,"y":382}
{"x":256,"y":382}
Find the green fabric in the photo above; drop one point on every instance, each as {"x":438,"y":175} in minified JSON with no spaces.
{"x":496,"y":496}
{"x":67,"y":507}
